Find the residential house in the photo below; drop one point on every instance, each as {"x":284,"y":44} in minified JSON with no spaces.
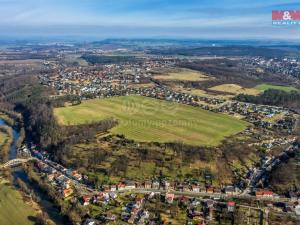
{"x":130,"y":185}
{"x":210,"y":190}
{"x":166,"y":185}
{"x":50,"y":177}
{"x":121,"y":186}
{"x":169,"y":197}
{"x":138,"y":202}
{"x":67,"y":192}
{"x":264,"y":194}
{"x":155,"y":185}
{"x":230,"y":190}
{"x":113,"y":195}
{"x":89,"y":222}
{"x":195,"y":188}
{"x":147,"y":185}
{"x":86,"y":200}
{"x":297,"y":210}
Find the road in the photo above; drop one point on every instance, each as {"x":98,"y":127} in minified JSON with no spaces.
{"x":245,"y":195}
{"x":86,"y":188}
{"x":268,"y":166}
{"x":204,"y":194}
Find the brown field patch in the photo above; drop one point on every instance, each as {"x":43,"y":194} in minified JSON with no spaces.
{"x":183,"y":75}
{"x":234,"y":89}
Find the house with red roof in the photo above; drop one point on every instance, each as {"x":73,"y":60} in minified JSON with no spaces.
{"x":264,"y":194}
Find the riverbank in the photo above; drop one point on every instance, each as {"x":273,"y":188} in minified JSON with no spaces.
{"x":6,"y":119}
{"x":46,"y":205}
{"x":3,"y":138}
{"x":27,"y":201}
{"x":6,"y":140}
{"x":14,"y":208}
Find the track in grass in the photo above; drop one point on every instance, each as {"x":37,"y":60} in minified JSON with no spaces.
{"x":147,"y":119}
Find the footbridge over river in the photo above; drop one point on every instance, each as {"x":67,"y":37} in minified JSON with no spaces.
{"x":16,"y":162}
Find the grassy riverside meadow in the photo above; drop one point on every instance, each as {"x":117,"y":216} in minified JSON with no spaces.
{"x":13,"y":210}
{"x":151,"y":120}
{"x":263,"y":87}
{"x":3,"y":138}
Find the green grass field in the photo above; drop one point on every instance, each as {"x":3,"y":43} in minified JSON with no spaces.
{"x":147,"y":119}
{"x":263,"y":87}
{"x":13,"y":210}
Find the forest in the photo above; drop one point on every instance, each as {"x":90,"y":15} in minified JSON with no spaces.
{"x":274,"y":97}
{"x":228,"y":71}
{"x":102,"y":59}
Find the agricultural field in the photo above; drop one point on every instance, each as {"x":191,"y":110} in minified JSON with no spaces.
{"x":201,"y":93}
{"x":235,"y":89}
{"x":183,"y":75}
{"x":13,"y":210}
{"x":263,"y":87}
{"x":150,"y":120}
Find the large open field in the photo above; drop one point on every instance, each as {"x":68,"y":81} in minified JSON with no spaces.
{"x":235,"y":89}
{"x":183,"y":75}
{"x":200,"y":92}
{"x":13,"y":210}
{"x":263,"y":87}
{"x":147,"y":119}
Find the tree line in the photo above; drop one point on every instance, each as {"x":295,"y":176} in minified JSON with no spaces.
{"x":273,"y":97}
{"x":103,"y":59}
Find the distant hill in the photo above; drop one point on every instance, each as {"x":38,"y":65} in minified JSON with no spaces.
{"x":227,"y":51}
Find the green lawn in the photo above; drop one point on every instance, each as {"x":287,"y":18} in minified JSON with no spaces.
{"x":13,"y":210}
{"x":263,"y":87}
{"x":147,"y":119}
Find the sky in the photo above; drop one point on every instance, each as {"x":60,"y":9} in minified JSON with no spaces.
{"x":201,"y":19}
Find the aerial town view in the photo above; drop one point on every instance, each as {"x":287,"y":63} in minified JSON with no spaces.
{"x":149,"y":112}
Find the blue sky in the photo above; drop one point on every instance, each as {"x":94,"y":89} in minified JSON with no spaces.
{"x":233,"y":19}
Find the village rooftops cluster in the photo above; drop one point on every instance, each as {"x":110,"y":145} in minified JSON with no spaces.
{"x":260,"y":115}
{"x":62,"y":182}
{"x":288,"y":67}
{"x":66,"y":181}
{"x":101,"y":78}
{"x":111,"y":82}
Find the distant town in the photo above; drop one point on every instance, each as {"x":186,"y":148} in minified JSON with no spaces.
{"x":111,"y":133}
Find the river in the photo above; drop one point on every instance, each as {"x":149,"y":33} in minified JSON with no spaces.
{"x":13,"y":147}
{"x":45,"y":203}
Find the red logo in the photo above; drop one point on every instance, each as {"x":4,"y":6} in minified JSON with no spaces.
{"x":286,"y":15}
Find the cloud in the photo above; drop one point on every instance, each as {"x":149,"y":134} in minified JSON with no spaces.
{"x":149,"y":17}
